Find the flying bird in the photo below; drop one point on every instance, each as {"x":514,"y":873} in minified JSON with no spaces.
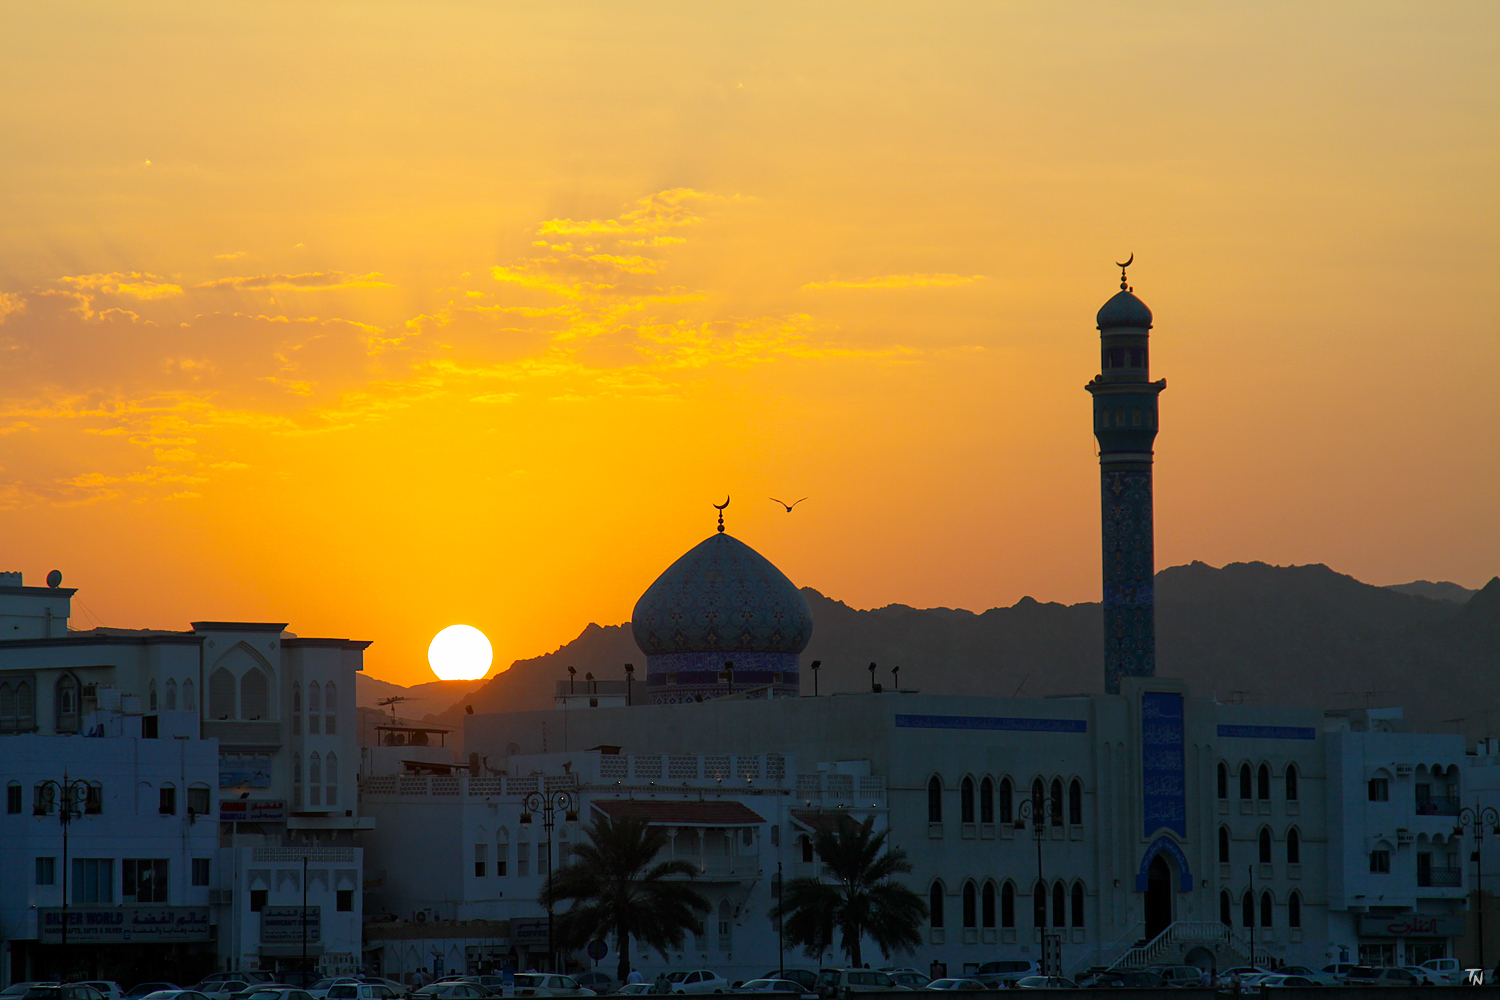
{"x":788,"y":506}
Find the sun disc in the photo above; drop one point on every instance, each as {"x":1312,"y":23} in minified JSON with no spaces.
{"x":460,"y":653}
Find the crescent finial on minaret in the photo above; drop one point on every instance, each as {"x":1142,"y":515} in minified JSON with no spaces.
{"x":1124,"y":286}
{"x":720,"y":508}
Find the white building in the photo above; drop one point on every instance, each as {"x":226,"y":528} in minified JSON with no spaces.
{"x":277,"y":712}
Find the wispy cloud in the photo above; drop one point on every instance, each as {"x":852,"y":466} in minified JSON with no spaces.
{"x":131,"y":283}
{"x":652,"y":214}
{"x":309,"y":281}
{"x":897,"y":281}
{"x":231,"y":256}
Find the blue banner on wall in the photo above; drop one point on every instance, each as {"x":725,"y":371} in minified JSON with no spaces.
{"x":1163,"y":778}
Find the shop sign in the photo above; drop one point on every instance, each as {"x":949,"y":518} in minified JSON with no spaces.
{"x":528,"y":931}
{"x":252,"y":810}
{"x":1411,"y":925}
{"x":124,"y":924}
{"x":244,"y":772}
{"x":283,"y":925}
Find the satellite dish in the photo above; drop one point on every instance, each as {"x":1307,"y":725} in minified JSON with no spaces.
{"x":54,"y":578}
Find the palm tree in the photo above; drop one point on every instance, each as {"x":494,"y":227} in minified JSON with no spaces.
{"x":615,"y":888}
{"x":861,"y":898}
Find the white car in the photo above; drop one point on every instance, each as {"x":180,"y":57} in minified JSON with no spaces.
{"x":545,"y":984}
{"x":370,"y":991}
{"x":1318,"y":978}
{"x":1279,"y":981}
{"x":772,"y":986}
{"x":319,"y":990}
{"x":108,"y":987}
{"x":955,"y":984}
{"x":1244,"y":975}
{"x":1448,"y":970}
{"x":701,"y":981}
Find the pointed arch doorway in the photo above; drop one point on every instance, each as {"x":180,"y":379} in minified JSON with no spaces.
{"x":1158,"y":897}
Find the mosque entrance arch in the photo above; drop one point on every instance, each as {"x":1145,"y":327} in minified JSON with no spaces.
{"x":1158,"y":896}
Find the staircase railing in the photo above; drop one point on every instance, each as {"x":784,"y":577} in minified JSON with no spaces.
{"x":1121,"y":944}
{"x":1189,"y":931}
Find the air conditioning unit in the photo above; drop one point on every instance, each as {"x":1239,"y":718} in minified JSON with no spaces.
{"x":1403,"y":769}
{"x":1403,"y":837}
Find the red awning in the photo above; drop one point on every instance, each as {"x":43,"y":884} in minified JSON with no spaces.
{"x":668,"y":813}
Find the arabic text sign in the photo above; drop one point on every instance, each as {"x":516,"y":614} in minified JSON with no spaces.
{"x":252,"y":810}
{"x":283,"y":925}
{"x":1411,"y":925}
{"x":124,"y":924}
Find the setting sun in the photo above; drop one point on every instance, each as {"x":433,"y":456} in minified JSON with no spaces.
{"x":460,"y":653}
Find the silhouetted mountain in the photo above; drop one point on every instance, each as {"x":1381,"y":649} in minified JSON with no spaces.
{"x":1437,"y":591}
{"x":421,"y":699}
{"x":1290,"y":635}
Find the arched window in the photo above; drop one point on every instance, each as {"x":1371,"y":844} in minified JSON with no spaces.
{"x":1057,"y":802}
{"x":987,"y":905}
{"x":971,"y":905}
{"x":966,"y":801}
{"x":1223,"y":780}
{"x":1039,"y":905}
{"x":25,"y":706}
{"x":1008,"y":904}
{"x":1059,"y":904}
{"x":314,"y":780}
{"x":151,"y":696}
{"x":189,"y":696}
{"x":1225,"y":906}
{"x":7,"y":706}
{"x":1291,"y":782}
{"x":726,"y":926}
{"x":331,"y":779}
{"x":1265,"y":909}
{"x":1294,"y":909}
{"x":67,"y":704}
{"x":934,"y":801}
{"x":171,"y":699}
{"x":221,"y":694}
{"x":1245,"y":781}
{"x":1075,"y":802}
{"x":330,"y":709}
{"x":1247,"y":910}
{"x":1223,"y":845}
{"x":986,"y":801}
{"x":314,"y":708}
{"x":1077,"y":904}
{"x":935,"y":905}
{"x":1265,"y":846}
{"x":1007,"y":814}
{"x":502,"y":852}
{"x":297,"y":709}
{"x":1293,"y":847}
{"x":1038,"y":800}
{"x":255,"y":695}
{"x":807,"y":849}
{"x":1263,"y":783}
{"x":297,"y":781}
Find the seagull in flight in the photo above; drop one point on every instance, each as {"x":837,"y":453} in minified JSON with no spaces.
{"x":788,"y":506}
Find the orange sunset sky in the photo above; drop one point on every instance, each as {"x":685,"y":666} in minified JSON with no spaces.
{"x":376,"y":317}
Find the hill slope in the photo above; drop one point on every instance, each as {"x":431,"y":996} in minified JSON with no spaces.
{"x":1293,"y":635}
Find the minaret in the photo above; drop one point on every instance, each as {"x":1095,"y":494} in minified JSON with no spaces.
{"x":1125,"y":424}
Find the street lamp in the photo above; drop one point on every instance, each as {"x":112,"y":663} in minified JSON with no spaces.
{"x":549,"y":804}
{"x":629,"y":681}
{"x":1041,"y":811}
{"x":1477,"y":819}
{"x":72,"y":795}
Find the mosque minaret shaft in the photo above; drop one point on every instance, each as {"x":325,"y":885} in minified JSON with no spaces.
{"x":1125,"y":425}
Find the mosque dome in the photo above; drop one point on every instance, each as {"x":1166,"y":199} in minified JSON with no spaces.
{"x":1124,"y":310}
{"x":722,"y":597}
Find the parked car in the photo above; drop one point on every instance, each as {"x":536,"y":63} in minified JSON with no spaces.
{"x":1279,"y":981}
{"x":248,"y":976}
{"x":280,"y":993}
{"x":225,"y":989}
{"x":141,"y":989}
{"x":1367,"y":975}
{"x":770,"y":986}
{"x":601,"y":983}
{"x":1138,"y":978}
{"x":62,"y":991}
{"x":16,"y":989}
{"x":1242,"y":975}
{"x":1424,"y":977}
{"x":1181,"y":975}
{"x":319,"y":990}
{"x":701,"y":981}
{"x":635,"y":989}
{"x":107,"y":987}
{"x":451,"y":990}
{"x":955,"y":984}
{"x":1045,"y":983}
{"x":546,"y":984}
{"x":254,"y":988}
{"x":835,"y":983}
{"x":1339,"y":970}
{"x":176,"y":995}
{"x":1318,"y":978}
{"x":804,"y":978}
{"x":1448,"y":970}
{"x":1005,"y":972}
{"x":910,"y":978}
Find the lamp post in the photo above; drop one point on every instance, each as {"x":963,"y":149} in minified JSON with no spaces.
{"x":815,"y":665}
{"x":1477,"y":819}
{"x":72,"y":796}
{"x":549,"y":804}
{"x":1040,"y":811}
{"x":629,"y":681}
{"x":780,"y":942}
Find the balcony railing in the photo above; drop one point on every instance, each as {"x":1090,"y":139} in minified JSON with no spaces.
{"x":1437,"y":805}
{"x":1440,"y":878}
